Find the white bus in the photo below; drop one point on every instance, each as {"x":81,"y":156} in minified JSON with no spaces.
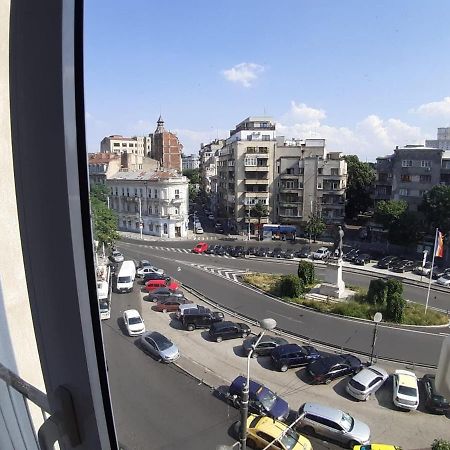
{"x":126,"y":276}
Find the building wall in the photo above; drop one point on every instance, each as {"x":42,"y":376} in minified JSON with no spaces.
{"x":190,"y":162}
{"x":166,"y":149}
{"x":137,"y":145}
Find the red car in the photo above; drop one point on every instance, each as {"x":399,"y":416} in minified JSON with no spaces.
{"x":152,"y":285}
{"x":170,"y":304}
{"x":201,"y":247}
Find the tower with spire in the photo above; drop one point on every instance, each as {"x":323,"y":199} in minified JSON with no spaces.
{"x":166,"y":148}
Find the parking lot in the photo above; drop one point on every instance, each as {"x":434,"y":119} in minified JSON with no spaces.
{"x":217,"y":364}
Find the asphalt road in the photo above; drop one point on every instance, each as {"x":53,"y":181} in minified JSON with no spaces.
{"x":409,"y":344}
{"x":157,"y":406}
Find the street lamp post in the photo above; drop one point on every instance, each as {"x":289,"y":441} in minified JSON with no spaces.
{"x":141,"y":225}
{"x":265,"y":324}
{"x":377,"y":319}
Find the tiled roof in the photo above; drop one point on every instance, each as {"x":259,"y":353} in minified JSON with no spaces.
{"x":98,"y":158}
{"x":146,"y":175}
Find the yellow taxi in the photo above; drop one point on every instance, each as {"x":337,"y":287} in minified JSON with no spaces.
{"x":376,"y":447}
{"x":263,"y":430}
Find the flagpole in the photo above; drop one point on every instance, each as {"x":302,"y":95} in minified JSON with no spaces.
{"x":432,"y":266}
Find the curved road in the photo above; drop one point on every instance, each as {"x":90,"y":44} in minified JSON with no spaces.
{"x":412,"y":344}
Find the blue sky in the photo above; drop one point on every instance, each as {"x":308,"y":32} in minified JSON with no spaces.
{"x":364,"y":75}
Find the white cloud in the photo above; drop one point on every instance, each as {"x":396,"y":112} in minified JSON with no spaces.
{"x":433,"y":109}
{"x":243,"y":73}
{"x":191,"y":139}
{"x":371,"y":137}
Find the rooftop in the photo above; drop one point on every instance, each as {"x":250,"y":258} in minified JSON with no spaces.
{"x":147,"y":175}
{"x":99,"y":158}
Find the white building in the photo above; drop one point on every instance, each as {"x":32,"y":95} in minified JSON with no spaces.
{"x":189,"y":162}
{"x":138,"y":145}
{"x":159,"y":198}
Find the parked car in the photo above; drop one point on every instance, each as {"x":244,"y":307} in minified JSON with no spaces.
{"x":199,"y":230}
{"x":228,"y":249}
{"x":228,"y":330}
{"x":376,"y":447}
{"x":164,"y":292}
{"x":220,"y":251}
{"x":293,"y":355}
{"x":153,"y":276}
{"x":405,"y":265}
{"x":211,"y":216}
{"x":263,"y":251}
{"x":444,"y":280}
{"x":324,"y":370}
{"x":387,"y":262}
{"x":170,"y":304}
{"x":252,"y":251}
{"x":405,"y":390}
{"x":333,"y":423}
{"x":117,"y":257}
{"x":201,"y":247}
{"x":144,"y":263}
{"x":434,"y":401}
{"x":288,"y":254}
{"x":133,"y":322}
{"x":261,"y":399}
{"x":183,"y":308}
{"x":238,"y":251}
{"x":159,"y":346}
{"x":211,"y":250}
{"x":304,"y":252}
{"x":195,"y":318}
{"x":361,"y":259}
{"x":351,"y":255}
{"x":148,"y":269}
{"x":262,"y":430}
{"x":366,"y":382}
{"x":422,"y":270}
{"x":152,"y":285}
{"x":320,"y":253}
{"x":438,"y":272}
{"x":277,"y":252}
{"x":265,"y":345}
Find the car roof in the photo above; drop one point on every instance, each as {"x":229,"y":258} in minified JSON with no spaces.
{"x":224,"y":323}
{"x":323,"y":411}
{"x":406,"y":378}
{"x":132,"y":313}
{"x":366,"y":375}
{"x":157,"y":337}
{"x":271,"y":426}
{"x":286,"y":348}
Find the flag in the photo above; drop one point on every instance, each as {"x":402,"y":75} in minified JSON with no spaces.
{"x":439,"y":247}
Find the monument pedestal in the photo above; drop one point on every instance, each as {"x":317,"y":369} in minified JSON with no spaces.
{"x":333,"y":285}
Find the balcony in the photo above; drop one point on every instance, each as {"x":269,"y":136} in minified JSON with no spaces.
{"x":256,"y":168}
{"x":289,"y":176}
{"x":339,"y":191}
{"x":178,"y":200}
{"x":290,"y":190}
{"x":256,"y":181}
{"x":286,"y":204}
{"x":259,"y":194}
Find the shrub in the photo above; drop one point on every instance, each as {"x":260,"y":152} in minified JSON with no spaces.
{"x":440,"y":444}
{"x":394,"y":286}
{"x":291,"y":286}
{"x":306,"y":272}
{"x":395,"y":306}
{"x":376,"y":295}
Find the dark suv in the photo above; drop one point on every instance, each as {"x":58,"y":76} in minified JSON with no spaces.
{"x":194,"y":318}
{"x":292,"y":355}
{"x":228,"y":330}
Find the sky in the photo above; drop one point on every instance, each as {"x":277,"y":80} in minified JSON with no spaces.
{"x":366,"y":76}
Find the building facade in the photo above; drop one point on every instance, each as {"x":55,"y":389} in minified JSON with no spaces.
{"x":442,"y":141}
{"x":308,"y":180}
{"x":245,"y":171}
{"x":166,"y":148}
{"x":138,"y":145}
{"x":190,"y":162}
{"x":102,"y":166}
{"x":157,"y":201}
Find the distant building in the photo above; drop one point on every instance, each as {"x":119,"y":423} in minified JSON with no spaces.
{"x":190,"y":162}
{"x":138,"y":145}
{"x":308,"y":180}
{"x":166,"y":148}
{"x":442,"y":141}
{"x":156,"y":200}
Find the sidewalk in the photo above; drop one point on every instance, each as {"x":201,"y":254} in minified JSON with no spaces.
{"x":216,"y":365}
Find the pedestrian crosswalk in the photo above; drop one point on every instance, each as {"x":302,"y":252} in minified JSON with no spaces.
{"x":230,"y":274}
{"x":180,"y":250}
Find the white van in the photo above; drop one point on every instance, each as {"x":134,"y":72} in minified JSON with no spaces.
{"x":126,"y":276}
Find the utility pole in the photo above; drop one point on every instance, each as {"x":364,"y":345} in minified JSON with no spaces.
{"x":141,"y":225}
{"x":248,"y":229}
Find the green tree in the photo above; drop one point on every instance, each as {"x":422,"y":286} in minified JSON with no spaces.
{"x":388,"y":213}
{"x":440,"y":444}
{"x":361,"y":177}
{"x":306,"y":273}
{"x":291,"y":286}
{"x":104,"y":220}
{"x":193,"y":193}
{"x":376,"y":295}
{"x":259,"y":211}
{"x":315,"y":226}
{"x":193,"y":175}
{"x":395,"y":307}
{"x":436,"y":208}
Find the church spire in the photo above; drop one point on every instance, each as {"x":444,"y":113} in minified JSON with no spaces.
{"x":160,"y":125}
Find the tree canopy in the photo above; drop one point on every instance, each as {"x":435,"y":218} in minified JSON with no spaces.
{"x":315,"y":226}
{"x":193,"y":175}
{"x":104,"y":220}
{"x":436,"y":208}
{"x":361,"y":177}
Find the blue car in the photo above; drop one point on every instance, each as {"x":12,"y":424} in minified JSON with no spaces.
{"x":261,"y":399}
{"x":292,"y":355}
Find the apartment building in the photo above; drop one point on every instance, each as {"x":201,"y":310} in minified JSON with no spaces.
{"x":409,"y":172}
{"x":308,"y":180}
{"x":190,"y":162}
{"x":138,"y":145}
{"x":102,"y":166}
{"x":245,"y":171}
{"x":166,"y":148}
{"x":157,"y":201}
{"x":442,"y":141}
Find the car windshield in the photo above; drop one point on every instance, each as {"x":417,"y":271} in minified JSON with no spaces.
{"x":124,"y":280}
{"x":163,"y":343}
{"x":104,"y":306}
{"x":290,"y":439}
{"x":267,"y":398}
{"x":134,"y":320}
{"x":406,"y":390}
{"x":347,"y":421}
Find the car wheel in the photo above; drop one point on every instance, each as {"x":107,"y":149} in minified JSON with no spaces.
{"x":284,"y":368}
{"x":308,"y":430}
{"x":254,"y":355}
{"x":190,"y":327}
{"x":351,"y":444}
{"x":328,"y":381}
{"x":219,"y":339}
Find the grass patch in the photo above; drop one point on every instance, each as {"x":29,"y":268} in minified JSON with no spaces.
{"x":414,"y":314}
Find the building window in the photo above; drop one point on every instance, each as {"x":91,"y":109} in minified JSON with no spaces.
{"x":150,"y":210}
{"x":426,"y":163}
{"x":135,"y":192}
{"x":406,"y":163}
{"x":116,"y":144}
{"x":266,"y":137}
{"x":335,"y":172}
{"x":165,"y":228}
{"x":289,"y":184}
{"x":250,"y":162}
{"x":301,"y":170}
{"x":177,"y":193}
{"x":320,"y":170}
{"x":290,"y":171}
{"x":156,"y":193}
{"x":124,"y":223}
{"x":140,"y":192}
{"x":128,"y":192}
{"x":319,"y":186}
{"x":150,"y":227}
{"x":406,"y":178}
{"x":123,"y":191}
{"x":403,"y":192}
{"x":150,"y":193}
{"x":176,"y":211}
{"x":425,"y":178}
{"x":124,"y":144}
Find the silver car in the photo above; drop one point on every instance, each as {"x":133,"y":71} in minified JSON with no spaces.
{"x":333,"y":424}
{"x":366,"y":382}
{"x":159,"y":346}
